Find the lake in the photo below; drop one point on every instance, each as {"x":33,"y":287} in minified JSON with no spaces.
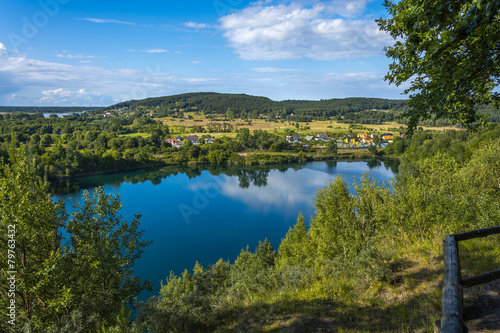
{"x":203,"y":213}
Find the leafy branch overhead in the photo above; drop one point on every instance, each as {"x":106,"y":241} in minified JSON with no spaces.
{"x":449,"y":52}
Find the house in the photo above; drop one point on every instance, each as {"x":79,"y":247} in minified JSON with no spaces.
{"x":402,"y":134}
{"x":367,"y":140}
{"x":351,"y":139}
{"x":209,"y":140}
{"x":293,"y":138}
{"x":323,"y":137}
{"x":174,"y":142}
{"x":362,"y":135}
{"x":179,"y":138}
{"x":387,"y":136}
{"x":193,"y":139}
{"x":309,"y":137}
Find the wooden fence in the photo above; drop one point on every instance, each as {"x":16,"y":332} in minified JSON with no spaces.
{"x":451,"y":320}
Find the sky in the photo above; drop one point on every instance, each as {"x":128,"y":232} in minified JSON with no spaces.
{"x":98,"y":53}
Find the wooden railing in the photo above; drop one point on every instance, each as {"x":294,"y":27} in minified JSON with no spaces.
{"x":451,"y":320}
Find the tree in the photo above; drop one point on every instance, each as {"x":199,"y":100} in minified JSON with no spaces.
{"x":296,"y":248}
{"x":101,"y":255}
{"x":46,"y":140}
{"x":450,"y":51}
{"x":331,"y":147}
{"x":87,"y":276}
{"x":33,"y":221}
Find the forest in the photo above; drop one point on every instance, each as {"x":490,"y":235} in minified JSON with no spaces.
{"x":246,"y":106}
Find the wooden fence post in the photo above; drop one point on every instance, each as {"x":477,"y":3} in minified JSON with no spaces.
{"x":451,"y":321}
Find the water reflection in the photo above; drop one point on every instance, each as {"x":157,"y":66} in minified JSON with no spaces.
{"x":247,"y":175}
{"x":288,"y":189}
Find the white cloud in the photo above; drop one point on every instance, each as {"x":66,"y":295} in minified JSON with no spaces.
{"x":196,"y":62}
{"x":294,"y":32}
{"x":61,"y":84}
{"x":196,"y":25}
{"x":3,"y":49}
{"x":61,"y":95}
{"x":348,"y":8}
{"x":96,"y":20}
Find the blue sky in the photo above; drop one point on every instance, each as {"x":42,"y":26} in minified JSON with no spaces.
{"x":75,"y":52}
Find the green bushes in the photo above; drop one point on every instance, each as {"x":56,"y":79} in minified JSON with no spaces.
{"x":74,"y":283}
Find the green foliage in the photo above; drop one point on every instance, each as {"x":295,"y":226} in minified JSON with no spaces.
{"x":35,"y":242}
{"x":65,"y":285}
{"x":296,"y":249}
{"x":333,"y":228}
{"x":449,"y":51}
{"x":102,"y":253}
{"x":331,"y":147}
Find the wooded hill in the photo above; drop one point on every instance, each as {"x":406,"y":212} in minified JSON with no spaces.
{"x":252,"y":106}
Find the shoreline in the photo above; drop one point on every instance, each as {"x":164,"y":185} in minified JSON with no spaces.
{"x":290,"y":158}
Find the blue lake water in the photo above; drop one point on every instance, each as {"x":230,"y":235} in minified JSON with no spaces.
{"x":206,"y":213}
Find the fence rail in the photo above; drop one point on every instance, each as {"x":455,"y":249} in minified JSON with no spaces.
{"x":451,"y":320}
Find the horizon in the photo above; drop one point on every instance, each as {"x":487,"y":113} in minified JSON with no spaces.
{"x":70,"y":52}
{"x":201,"y":92}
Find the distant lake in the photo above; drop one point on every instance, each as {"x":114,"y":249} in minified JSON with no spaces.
{"x":46,"y":115}
{"x":203,"y":213}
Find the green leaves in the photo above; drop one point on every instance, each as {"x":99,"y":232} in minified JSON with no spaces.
{"x":81,"y":282}
{"x":450,"y":52}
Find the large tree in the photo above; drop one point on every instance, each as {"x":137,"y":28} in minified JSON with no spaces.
{"x":449,"y":51}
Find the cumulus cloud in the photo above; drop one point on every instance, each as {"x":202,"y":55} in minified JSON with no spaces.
{"x":293,"y":32}
{"x":61,"y":95}
{"x":60,"y":84}
{"x":348,"y":8}
{"x":3,"y":49}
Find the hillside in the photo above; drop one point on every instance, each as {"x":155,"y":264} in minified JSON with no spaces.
{"x":252,"y":106}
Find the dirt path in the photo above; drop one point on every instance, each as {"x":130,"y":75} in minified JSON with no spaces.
{"x":484,"y":316}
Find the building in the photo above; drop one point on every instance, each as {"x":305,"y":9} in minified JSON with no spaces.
{"x":193,"y":139}
{"x":293,"y":138}
{"x":352,"y":140}
{"x":323,"y":137}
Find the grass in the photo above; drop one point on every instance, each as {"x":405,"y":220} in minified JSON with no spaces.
{"x":143,"y":135}
{"x":409,"y":300}
{"x":315,"y":126}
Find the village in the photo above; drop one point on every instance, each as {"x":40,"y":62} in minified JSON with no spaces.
{"x":361,"y":140}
